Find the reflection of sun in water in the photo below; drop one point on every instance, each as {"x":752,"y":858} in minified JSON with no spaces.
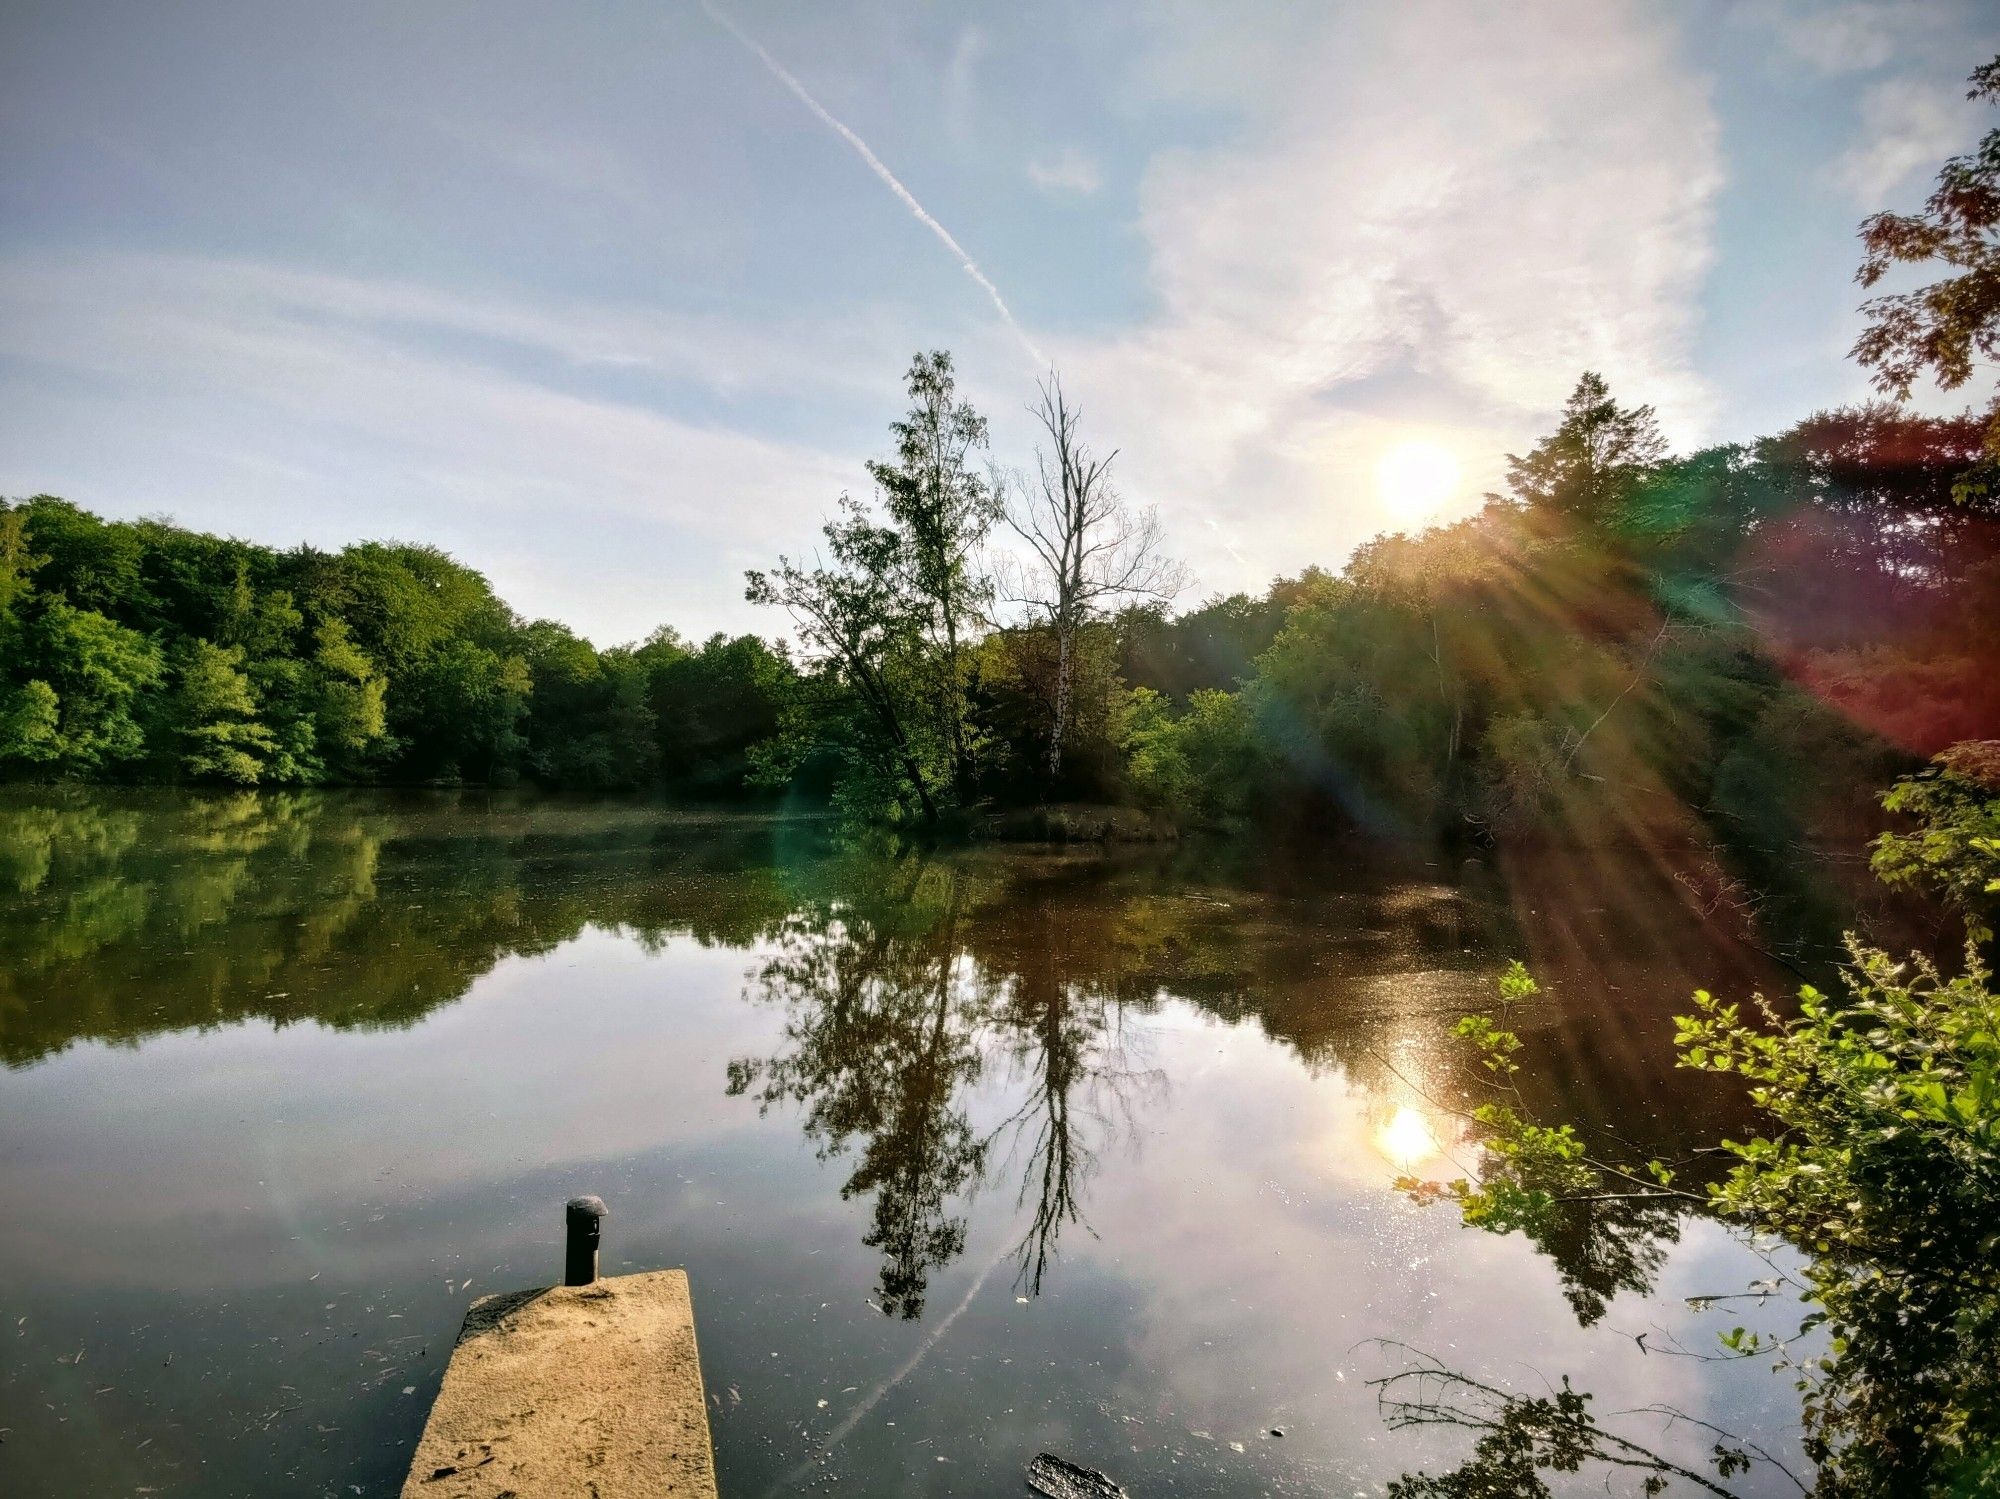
{"x":1406,"y":1138}
{"x":1416,"y":477}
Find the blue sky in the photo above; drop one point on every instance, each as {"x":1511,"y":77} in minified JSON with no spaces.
{"x":590,"y":297}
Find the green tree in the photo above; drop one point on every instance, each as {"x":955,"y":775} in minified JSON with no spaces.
{"x":1202,"y":764}
{"x":212,"y":717}
{"x":713,"y":706}
{"x":94,"y":564}
{"x":1954,"y":848}
{"x":857,"y":618}
{"x":1878,"y":1159}
{"x":98,"y":672}
{"x":467,"y":702}
{"x":30,"y":724}
{"x":944,"y":511}
{"x":17,"y":565}
{"x":349,"y":717}
{"x":1589,"y":465}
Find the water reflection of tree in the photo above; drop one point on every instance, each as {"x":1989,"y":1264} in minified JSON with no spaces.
{"x":1600,"y":1248}
{"x":129,"y":914}
{"x":124,"y":915}
{"x":900,"y":993}
{"x":881,"y":1040}
{"x":1519,"y":1437}
{"x":1064,"y":1035}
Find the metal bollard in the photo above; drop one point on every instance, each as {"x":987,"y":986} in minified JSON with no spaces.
{"x":584,"y":1217}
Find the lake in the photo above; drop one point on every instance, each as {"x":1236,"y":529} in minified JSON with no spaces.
{"x":969,"y":1155}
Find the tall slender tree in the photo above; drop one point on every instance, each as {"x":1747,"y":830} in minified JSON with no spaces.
{"x":944,"y":510}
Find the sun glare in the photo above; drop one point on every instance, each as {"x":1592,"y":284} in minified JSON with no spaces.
{"x":1406,"y":1138}
{"x":1416,"y":477}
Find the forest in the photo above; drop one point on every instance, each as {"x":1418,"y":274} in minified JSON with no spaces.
{"x":1625,"y":639}
{"x":1626,"y":642}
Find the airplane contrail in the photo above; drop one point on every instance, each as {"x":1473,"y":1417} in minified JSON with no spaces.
{"x":875,"y":165}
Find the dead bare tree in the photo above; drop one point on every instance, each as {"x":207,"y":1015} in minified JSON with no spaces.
{"x":1088,"y":550}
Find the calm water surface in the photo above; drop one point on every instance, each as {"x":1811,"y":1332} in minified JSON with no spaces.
{"x":969,"y":1156}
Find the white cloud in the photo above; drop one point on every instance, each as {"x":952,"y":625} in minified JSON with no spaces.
{"x":294,"y":406}
{"x":1908,"y":126}
{"x":1480,"y":202}
{"x":1838,"y":39}
{"x":1068,"y":171}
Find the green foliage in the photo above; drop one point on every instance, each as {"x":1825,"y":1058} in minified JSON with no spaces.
{"x":1631,"y":647}
{"x":1955,"y":846}
{"x":590,"y":720}
{"x":1882,"y":1163}
{"x":1539,"y":1181}
{"x":859,"y":622}
{"x":1588,"y":466}
{"x":30,"y":724}
{"x":92,"y":564}
{"x":715,"y":705}
{"x":17,"y":565}
{"x":212,"y":716}
{"x":1156,"y":764}
{"x":1215,"y":646}
{"x":891,"y":625}
{"x":943,"y":512}
{"x":96,"y":671}
{"x":1878,"y":1160}
{"x":140,"y":649}
{"x":348,"y":704}
{"x":464,"y":707}
{"x":1638,"y":646}
{"x":1201,"y":764}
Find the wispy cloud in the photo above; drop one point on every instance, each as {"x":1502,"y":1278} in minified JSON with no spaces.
{"x":961,"y":92}
{"x":293,"y":407}
{"x":1068,"y":171}
{"x":1908,"y":125}
{"x":1403,"y":216}
{"x":876,"y":165}
{"x":1836,"y":39}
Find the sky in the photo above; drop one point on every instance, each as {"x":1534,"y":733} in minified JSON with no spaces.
{"x":612,"y":300}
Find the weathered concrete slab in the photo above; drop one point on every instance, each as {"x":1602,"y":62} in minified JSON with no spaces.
{"x":592,"y":1391}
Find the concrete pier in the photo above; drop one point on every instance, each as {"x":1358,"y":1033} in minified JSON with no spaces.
{"x":589,"y":1390}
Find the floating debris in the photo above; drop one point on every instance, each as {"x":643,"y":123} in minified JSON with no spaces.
{"x":1061,"y":1479}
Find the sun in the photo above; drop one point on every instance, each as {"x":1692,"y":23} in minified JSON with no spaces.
{"x":1416,"y":477}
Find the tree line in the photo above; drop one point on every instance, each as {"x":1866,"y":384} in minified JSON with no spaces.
{"x":142,"y":651}
{"x":1621,"y":636}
